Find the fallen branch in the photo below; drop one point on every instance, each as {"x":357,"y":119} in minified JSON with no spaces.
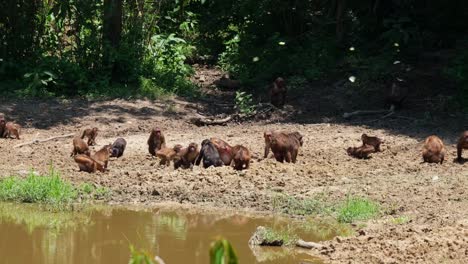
{"x":369,"y":112}
{"x":203,"y":120}
{"x":309,"y":245}
{"x":43,"y":140}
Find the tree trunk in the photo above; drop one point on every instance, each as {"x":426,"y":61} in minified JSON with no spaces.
{"x":340,"y":15}
{"x":112,"y":30}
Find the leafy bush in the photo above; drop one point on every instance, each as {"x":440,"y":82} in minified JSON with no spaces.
{"x":222,"y":252}
{"x":244,"y":103}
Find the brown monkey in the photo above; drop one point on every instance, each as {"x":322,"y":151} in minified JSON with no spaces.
{"x":156,"y":141}
{"x":433,"y":150}
{"x":278,"y":92}
{"x":11,"y":129}
{"x":168,"y":154}
{"x":285,"y":146}
{"x":462,"y":144}
{"x":103,"y":155}
{"x":186,"y":157}
{"x":88,"y":164}
{"x":240,"y":157}
{"x":79,"y":147}
{"x":91,"y":134}
{"x":373,"y":141}
{"x":361,"y":152}
{"x":224,"y":150}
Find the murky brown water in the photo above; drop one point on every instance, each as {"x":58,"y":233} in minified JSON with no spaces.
{"x":29,"y":235}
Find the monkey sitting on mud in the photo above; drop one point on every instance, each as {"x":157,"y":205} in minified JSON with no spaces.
{"x":372,"y":141}
{"x":186,"y":157}
{"x":361,"y":152}
{"x":240,"y":157}
{"x":209,"y":154}
{"x":88,"y":164}
{"x":102,"y":156}
{"x":118,"y":147}
{"x":156,"y":141}
{"x":278,"y":92}
{"x":91,"y":134}
{"x":167,"y":154}
{"x":80,"y":147}
{"x":285,"y":146}
{"x":433,"y":150}
{"x":462,"y":144}
{"x":11,"y":129}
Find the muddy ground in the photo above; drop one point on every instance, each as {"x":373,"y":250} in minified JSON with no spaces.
{"x":434,"y":198}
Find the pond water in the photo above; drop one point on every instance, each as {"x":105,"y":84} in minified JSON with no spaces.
{"x":103,"y":235}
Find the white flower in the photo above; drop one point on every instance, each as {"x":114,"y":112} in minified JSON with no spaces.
{"x":255,"y":59}
{"x":282,"y":43}
{"x":396,"y":62}
{"x":396,"y":44}
{"x":351,"y":48}
{"x":352,"y":78}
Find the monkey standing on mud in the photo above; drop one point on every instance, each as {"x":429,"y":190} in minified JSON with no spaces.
{"x":240,"y":157}
{"x":462,"y":144}
{"x":433,"y":150}
{"x":285,"y":146}
{"x":209,"y":154}
{"x":79,"y":147}
{"x":91,"y":134}
{"x":278,"y":92}
{"x":186,"y":157}
{"x":168,"y":154}
{"x":156,"y":141}
{"x":102,"y":156}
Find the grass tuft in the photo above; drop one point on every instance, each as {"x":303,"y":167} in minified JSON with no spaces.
{"x":286,"y":235}
{"x":49,"y":190}
{"x":357,"y":209}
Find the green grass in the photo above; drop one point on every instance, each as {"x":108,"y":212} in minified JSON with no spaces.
{"x":286,"y":235}
{"x":49,"y":189}
{"x":357,"y":209}
{"x":291,"y":205}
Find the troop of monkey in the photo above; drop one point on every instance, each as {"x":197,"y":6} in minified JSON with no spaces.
{"x":217,"y":152}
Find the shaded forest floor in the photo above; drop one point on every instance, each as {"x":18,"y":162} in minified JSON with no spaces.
{"x":433,"y":198}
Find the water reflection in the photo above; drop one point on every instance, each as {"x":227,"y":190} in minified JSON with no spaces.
{"x":31,"y":235}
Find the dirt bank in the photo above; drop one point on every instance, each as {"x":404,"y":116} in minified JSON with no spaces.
{"x":433,"y":198}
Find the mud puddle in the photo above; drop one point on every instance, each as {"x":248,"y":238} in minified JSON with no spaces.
{"x":103,"y":235}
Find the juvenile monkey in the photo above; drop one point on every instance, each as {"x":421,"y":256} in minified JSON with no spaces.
{"x":224,"y":150}
{"x":79,"y":147}
{"x":285,"y":146}
{"x":168,"y":154}
{"x":278,"y":92}
{"x":91,"y":134}
{"x":88,"y":164}
{"x":433,"y":150}
{"x":361,"y":152}
{"x":241,"y":157}
{"x":372,"y":141}
{"x":186,"y":157}
{"x":209,"y":154}
{"x":462,"y":144}
{"x":11,"y":129}
{"x":156,"y":141}
{"x":102,"y":156}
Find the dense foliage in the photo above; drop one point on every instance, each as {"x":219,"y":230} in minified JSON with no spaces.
{"x":141,"y":47}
